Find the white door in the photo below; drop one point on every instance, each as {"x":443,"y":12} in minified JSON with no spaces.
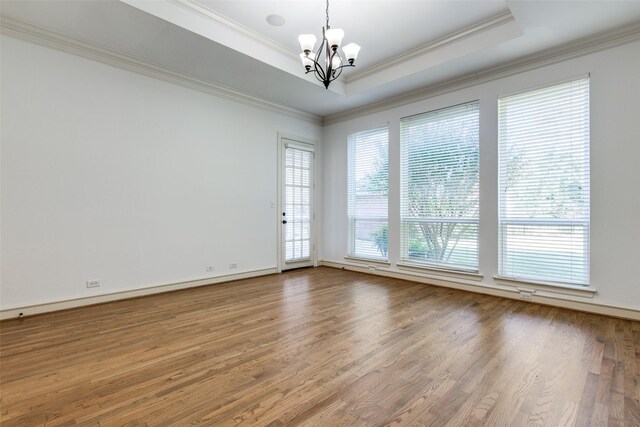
{"x":296,"y":213}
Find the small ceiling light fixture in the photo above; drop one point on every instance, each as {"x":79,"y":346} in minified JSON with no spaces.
{"x":275,"y":20}
{"x":332,"y":62}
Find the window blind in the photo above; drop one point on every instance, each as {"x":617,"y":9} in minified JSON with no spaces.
{"x":368,"y":178}
{"x":298,"y":199}
{"x":439,"y":187}
{"x":544,"y":184}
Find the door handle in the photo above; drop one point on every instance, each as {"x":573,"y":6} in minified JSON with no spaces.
{"x":284,"y":221}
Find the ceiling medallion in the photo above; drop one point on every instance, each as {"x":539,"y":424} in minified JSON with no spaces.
{"x":327,"y":63}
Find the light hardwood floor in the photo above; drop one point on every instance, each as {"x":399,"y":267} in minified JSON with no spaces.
{"x":320,"y":347}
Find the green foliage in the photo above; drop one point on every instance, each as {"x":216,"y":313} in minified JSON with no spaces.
{"x":381,"y":238}
{"x":378,"y":181}
{"x":417,"y":247}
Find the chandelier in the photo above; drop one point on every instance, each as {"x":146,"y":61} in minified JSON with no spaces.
{"x":327,"y":63}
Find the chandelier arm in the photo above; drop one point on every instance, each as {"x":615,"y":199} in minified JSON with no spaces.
{"x":342,"y":61}
{"x":345,"y":66}
{"x":333,"y":75}
{"x":336,"y":73}
{"x":317,"y":71}
{"x":328,"y":57}
{"x":320,"y":48}
{"x":320,"y":72}
{"x":318,"y":77}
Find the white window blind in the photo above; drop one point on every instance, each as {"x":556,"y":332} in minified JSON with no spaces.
{"x":544,"y":184}
{"x":368,"y":159}
{"x":298,"y":198}
{"x":439,"y":187}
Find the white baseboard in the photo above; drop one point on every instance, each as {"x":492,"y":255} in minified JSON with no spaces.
{"x":45,"y":307}
{"x":564,"y":301}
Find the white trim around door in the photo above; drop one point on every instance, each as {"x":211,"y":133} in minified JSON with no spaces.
{"x":297,"y":228}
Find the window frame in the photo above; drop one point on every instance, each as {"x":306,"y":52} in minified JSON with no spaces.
{"x":352,"y":220}
{"x":442,"y":268}
{"x":545,"y":282}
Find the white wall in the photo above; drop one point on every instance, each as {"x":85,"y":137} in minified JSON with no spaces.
{"x":615,"y":168}
{"x":110,"y":175}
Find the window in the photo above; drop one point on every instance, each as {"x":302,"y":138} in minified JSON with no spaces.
{"x":298,"y":202}
{"x":544,"y":184}
{"x":368,"y":187}
{"x":439,"y":187}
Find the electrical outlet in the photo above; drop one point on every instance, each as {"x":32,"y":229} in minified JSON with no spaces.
{"x":233,"y":265}
{"x":525,"y":295}
{"x":93,"y":283}
{"x":210,"y":268}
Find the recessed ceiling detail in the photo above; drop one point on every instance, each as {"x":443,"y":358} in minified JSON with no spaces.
{"x":484,"y":34}
{"x":409,"y":53}
{"x":411,"y":46}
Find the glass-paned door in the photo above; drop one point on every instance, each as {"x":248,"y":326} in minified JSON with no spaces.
{"x":297,"y":213}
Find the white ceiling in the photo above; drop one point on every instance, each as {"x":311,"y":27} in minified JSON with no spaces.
{"x":406,"y":45}
{"x":378,"y":23}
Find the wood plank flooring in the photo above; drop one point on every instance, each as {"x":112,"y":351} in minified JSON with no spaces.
{"x":320,"y":347}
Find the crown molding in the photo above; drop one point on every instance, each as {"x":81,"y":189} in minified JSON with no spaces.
{"x":540,"y":59}
{"x":200,"y":19}
{"x":195,"y":7}
{"x":51,"y":39}
{"x":471,"y":31}
{"x":48,"y":38}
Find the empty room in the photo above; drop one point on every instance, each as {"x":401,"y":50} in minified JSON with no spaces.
{"x":319,"y":213}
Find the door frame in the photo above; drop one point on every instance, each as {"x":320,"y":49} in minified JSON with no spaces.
{"x":282,"y":138}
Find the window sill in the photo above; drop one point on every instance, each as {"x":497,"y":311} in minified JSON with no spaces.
{"x":437,"y":273}
{"x":557,"y":288}
{"x":368,"y":260}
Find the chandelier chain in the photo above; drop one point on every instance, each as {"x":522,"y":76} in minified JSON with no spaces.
{"x":327,"y":14}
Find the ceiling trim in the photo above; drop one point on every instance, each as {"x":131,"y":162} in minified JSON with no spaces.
{"x":205,"y":12}
{"x":55,"y":40}
{"x":48,"y":38}
{"x":363,"y":78}
{"x":471,"y":31}
{"x":201,"y":20}
{"x":543,"y":58}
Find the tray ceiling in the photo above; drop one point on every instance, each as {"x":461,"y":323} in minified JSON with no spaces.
{"x":406,"y":45}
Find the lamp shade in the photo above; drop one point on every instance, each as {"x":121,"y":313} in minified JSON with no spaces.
{"x":307,"y":42}
{"x":336,"y":62}
{"x":334,"y":36}
{"x":351,"y":51}
{"x":306,"y":61}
